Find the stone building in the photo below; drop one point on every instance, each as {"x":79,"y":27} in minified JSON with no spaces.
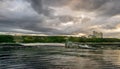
{"x":96,"y":35}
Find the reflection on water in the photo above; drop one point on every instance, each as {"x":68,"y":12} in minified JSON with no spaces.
{"x":51,"y":57}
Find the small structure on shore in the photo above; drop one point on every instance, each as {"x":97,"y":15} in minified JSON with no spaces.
{"x":96,"y":35}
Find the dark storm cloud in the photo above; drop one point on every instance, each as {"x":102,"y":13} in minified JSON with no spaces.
{"x":42,"y":3}
{"x":88,"y":5}
{"x":19,"y":22}
{"x":56,"y":3}
{"x":103,"y":7}
{"x":37,"y":5}
{"x":111,"y":8}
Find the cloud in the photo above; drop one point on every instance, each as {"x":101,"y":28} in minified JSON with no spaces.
{"x":54,"y":17}
{"x":102,"y":7}
{"x":40,"y":8}
{"x":87,"y":5}
{"x":37,"y":5}
{"x":111,"y":8}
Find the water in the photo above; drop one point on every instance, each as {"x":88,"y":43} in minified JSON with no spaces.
{"x":55,"y":57}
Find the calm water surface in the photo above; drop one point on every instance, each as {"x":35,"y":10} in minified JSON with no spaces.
{"x":55,"y":57}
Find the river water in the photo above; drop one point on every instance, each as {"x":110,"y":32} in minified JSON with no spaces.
{"x":57,"y":57}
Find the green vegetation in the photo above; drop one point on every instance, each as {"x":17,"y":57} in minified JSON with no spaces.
{"x":43,"y":39}
{"x":6,"y":39}
{"x":51,"y":39}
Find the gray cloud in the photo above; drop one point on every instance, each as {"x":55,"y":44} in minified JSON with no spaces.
{"x":102,"y":7}
{"x":39,"y":16}
{"x":40,"y":8}
{"x":37,"y":5}
{"x":65,"y":18}
{"x":88,"y":5}
{"x":111,"y":8}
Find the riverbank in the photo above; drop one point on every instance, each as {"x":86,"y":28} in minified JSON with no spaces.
{"x":32,"y":44}
{"x":102,"y":45}
{"x":43,"y":44}
{"x":61,"y":44}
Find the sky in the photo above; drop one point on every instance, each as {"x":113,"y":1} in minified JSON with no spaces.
{"x":61,"y":17}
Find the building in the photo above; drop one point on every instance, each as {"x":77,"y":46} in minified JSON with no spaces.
{"x":96,"y":35}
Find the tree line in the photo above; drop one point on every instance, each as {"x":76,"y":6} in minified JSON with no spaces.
{"x":51,"y":39}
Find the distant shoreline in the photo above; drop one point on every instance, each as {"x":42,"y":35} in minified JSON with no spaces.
{"x":62,"y":44}
{"x":43,"y":44}
{"x":32,"y":44}
{"x":104,"y":45}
